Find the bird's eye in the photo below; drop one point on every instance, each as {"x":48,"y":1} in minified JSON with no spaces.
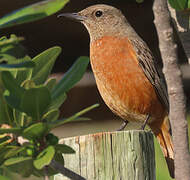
{"x":98,"y":13}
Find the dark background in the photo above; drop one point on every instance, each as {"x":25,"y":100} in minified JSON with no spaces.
{"x":72,"y":36}
{"x":74,"y":40}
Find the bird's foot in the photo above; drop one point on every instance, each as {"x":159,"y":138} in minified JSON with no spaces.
{"x":123,"y":125}
{"x":145,"y":122}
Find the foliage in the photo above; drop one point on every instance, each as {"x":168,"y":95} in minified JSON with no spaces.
{"x":30,"y":100}
{"x":33,"y":12}
{"x":179,"y":5}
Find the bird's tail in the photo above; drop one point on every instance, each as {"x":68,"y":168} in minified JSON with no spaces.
{"x":164,"y":138}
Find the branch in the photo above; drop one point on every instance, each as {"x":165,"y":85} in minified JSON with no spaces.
{"x":66,"y":172}
{"x":172,"y":74}
{"x":181,"y":24}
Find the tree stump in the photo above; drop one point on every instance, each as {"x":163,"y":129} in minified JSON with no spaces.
{"x":125,"y":155}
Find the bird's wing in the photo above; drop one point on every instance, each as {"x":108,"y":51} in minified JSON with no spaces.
{"x":146,"y":61}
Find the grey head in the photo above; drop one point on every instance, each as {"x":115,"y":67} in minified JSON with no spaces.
{"x":102,"y":20}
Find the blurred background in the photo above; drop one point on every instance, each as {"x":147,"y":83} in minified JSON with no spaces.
{"x":74,"y":40}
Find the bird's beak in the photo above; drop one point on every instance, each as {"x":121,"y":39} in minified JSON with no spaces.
{"x":73,"y":16}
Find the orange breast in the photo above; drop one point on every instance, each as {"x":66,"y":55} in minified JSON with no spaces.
{"x":121,"y":81}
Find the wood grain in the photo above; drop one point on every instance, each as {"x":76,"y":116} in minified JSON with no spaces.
{"x":123,"y":155}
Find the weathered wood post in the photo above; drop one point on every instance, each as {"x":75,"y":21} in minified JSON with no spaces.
{"x":126,"y":155}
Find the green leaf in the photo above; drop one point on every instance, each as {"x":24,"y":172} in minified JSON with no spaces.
{"x":79,"y":119}
{"x":20,"y":66}
{"x":5,"y":111}
{"x":72,"y":118}
{"x":3,"y":151}
{"x":58,"y":101}
{"x":35,"y":131}
{"x":51,"y":115}
{"x":12,"y":100}
{"x":50,"y":83}
{"x":188,"y":5}
{"x":14,"y":151}
{"x":74,"y":74}
{"x":16,"y":160}
{"x":12,"y":85}
{"x":19,"y":118}
{"x":4,"y":178}
{"x":40,"y":173}
{"x":25,"y":75}
{"x":44,"y":158}
{"x":178,"y":5}
{"x":35,"y":101}
{"x":44,"y":64}
{"x":63,"y":148}
{"x":11,"y":51}
{"x":14,"y":92}
{"x":24,"y":168}
{"x":2,"y":38}
{"x":33,"y":12}
{"x":59,"y":158}
{"x":4,"y":139}
{"x":28,"y":84}
{"x":10,"y":130}
{"x":51,"y":139}
{"x":12,"y":40}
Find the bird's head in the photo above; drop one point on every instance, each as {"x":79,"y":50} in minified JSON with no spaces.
{"x":101,"y":20}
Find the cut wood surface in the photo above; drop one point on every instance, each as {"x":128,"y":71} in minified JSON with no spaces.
{"x":126,"y":155}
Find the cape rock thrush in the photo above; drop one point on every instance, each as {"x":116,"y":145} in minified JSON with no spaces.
{"x":125,"y":72}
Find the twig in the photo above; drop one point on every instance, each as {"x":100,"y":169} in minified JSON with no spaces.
{"x":181,"y":22}
{"x":66,"y":172}
{"x":172,"y":74}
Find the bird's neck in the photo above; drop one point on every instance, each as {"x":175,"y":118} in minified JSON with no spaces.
{"x":121,"y":30}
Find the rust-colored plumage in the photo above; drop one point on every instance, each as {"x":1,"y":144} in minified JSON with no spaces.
{"x":126,"y":74}
{"x":127,"y":91}
{"x":121,"y":81}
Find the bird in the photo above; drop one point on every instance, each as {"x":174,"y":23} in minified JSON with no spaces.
{"x":126,"y":73}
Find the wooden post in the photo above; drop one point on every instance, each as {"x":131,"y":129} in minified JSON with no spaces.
{"x":125,"y":155}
